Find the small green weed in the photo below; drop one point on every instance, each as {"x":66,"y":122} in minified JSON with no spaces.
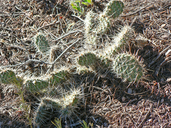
{"x":78,"y":5}
{"x":57,"y":123}
{"x":85,"y":125}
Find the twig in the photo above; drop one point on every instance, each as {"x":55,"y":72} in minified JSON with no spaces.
{"x":15,"y":46}
{"x":147,"y":114}
{"x":25,"y":63}
{"x":161,"y":64}
{"x":129,"y":118}
{"x":159,"y":55}
{"x":67,"y":34}
{"x":64,"y":52}
{"x":55,"y":22}
{"x":133,"y":21}
{"x":134,"y":94}
{"x":78,"y":17}
{"x":40,"y":61}
{"x":99,"y":88}
{"x":132,"y":13}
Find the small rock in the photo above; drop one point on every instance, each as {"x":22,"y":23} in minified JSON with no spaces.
{"x":141,"y":41}
{"x":123,"y":99}
{"x":105,"y":124}
{"x":163,"y":25}
{"x":129,"y":90}
{"x":165,"y":36}
{"x":1,"y":124}
{"x":168,"y":53}
{"x":162,"y":100}
{"x":168,"y":80}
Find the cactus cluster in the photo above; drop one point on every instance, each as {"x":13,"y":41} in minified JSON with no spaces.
{"x":61,"y":107}
{"x":63,"y":103}
{"x":124,"y":65}
{"x":98,"y":24}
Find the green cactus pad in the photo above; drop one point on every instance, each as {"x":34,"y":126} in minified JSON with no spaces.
{"x":8,"y":77}
{"x":41,"y":43}
{"x":59,"y":77}
{"x":113,"y":9}
{"x":36,"y":86}
{"x":52,"y":103}
{"x":46,"y":110}
{"x":88,"y":59}
{"x":69,"y":102}
{"x":42,"y":115}
{"x":95,"y":24}
{"x":119,"y":41}
{"x":128,"y":67}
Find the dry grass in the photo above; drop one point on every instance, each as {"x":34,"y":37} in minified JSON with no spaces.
{"x":108,"y":104}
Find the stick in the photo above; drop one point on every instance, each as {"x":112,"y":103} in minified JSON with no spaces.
{"x":64,"y":52}
{"x":159,"y":55}
{"x":67,"y":34}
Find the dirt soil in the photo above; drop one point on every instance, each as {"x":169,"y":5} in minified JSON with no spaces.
{"x":109,"y":101}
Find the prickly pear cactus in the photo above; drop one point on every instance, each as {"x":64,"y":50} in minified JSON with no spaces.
{"x":120,"y":40}
{"x":128,"y":67}
{"x":87,"y":59}
{"x":42,"y":115}
{"x":7,"y":77}
{"x":41,"y":43}
{"x":95,"y":24}
{"x":69,"y":102}
{"x":63,"y":106}
{"x":113,"y":9}
{"x":63,"y":103}
{"x":36,"y":86}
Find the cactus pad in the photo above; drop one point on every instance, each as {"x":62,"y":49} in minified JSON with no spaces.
{"x":120,"y":40}
{"x":42,"y":115}
{"x":36,"y":86}
{"x":59,"y":77}
{"x":41,"y":43}
{"x":8,"y":77}
{"x":113,"y":9}
{"x":94,"y":25}
{"x":128,"y":67}
{"x":88,"y":59}
{"x":69,"y":102}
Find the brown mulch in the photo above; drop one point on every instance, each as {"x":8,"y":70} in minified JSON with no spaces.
{"x":109,"y":102}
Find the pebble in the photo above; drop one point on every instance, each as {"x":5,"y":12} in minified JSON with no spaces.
{"x":162,"y":100}
{"x":123,"y":99}
{"x":129,"y":90}
{"x":168,"y":53}
{"x":165,"y":36}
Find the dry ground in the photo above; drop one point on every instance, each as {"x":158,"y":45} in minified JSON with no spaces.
{"x":110,"y":103}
